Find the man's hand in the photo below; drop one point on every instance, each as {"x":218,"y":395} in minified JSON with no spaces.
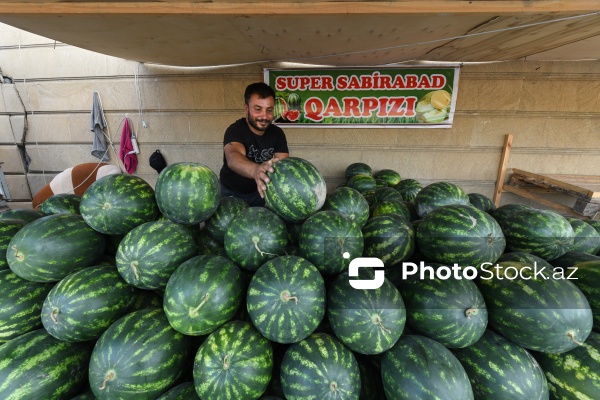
{"x":261,"y":177}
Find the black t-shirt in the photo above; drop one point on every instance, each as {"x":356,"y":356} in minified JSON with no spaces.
{"x":258,"y":149}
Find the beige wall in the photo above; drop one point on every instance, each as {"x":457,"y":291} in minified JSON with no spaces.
{"x":552,"y":109}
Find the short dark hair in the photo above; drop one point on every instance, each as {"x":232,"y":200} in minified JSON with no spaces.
{"x":261,"y":89}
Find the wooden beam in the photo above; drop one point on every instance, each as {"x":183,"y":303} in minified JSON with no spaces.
{"x":547,"y":181}
{"x":497,"y":7}
{"x":528,"y":195}
{"x":502,"y":168}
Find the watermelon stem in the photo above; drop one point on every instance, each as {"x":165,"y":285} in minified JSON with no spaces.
{"x":53,"y":315}
{"x":18,"y":255}
{"x":333,"y":386}
{"x":109,"y":377}
{"x":377,"y":321}
{"x":262,"y":253}
{"x":571,"y":336}
{"x":134,"y":265}
{"x":226,"y":363}
{"x":194,"y":311}
{"x":286,"y":296}
{"x":470,"y":312}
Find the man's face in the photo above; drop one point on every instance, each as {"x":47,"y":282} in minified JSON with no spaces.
{"x":260,"y":113}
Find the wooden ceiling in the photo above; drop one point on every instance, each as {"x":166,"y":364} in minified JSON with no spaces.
{"x":339,"y":33}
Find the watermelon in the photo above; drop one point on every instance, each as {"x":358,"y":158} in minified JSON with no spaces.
{"x":380,"y":183}
{"x":391,"y":207}
{"x":586,"y":238}
{"x":150,"y":253}
{"x":390,"y":238}
{"x":23,"y":214}
{"x":499,"y":369}
{"x":183,"y":391}
{"x":522,"y":304}
{"x":235,"y":362}
{"x":255,"y":236}
{"x":203,"y":294}
{"x":570,"y":258}
{"x":20,"y":305}
{"x":37,"y":366}
{"x":8,"y":228}
{"x":450,"y":311}
{"x":138,"y":357}
{"x":501,"y":213}
{"x":460,"y":234}
{"x":437,"y":195}
{"x":61,"y":203}
{"x":542,"y":233}
{"x":146,"y":299}
{"x":362,"y":183}
{"x":367,"y":321}
{"x":525,"y":258}
{"x":574,"y":374}
{"x":84,"y":304}
{"x":206,"y":245}
{"x":387,"y":194}
{"x":52,"y":247}
{"x":371,"y":386}
{"x":357,"y":168}
{"x":319,"y":367}
{"x":481,"y":202}
{"x":115,"y":204}
{"x":218,"y":223}
{"x":296,"y":189}
{"x":330,"y":240}
{"x":187,"y":192}
{"x":391,"y":177}
{"x":293,"y":233}
{"x":421,"y":368}
{"x":286,"y":299}
{"x":408,"y":188}
{"x":349,"y":202}
{"x":587,"y":276}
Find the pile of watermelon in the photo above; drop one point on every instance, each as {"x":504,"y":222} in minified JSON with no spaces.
{"x":131,"y":292}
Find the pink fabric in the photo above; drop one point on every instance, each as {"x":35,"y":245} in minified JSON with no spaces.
{"x":130,"y":160}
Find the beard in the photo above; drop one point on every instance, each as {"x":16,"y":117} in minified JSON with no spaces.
{"x":255,"y":122}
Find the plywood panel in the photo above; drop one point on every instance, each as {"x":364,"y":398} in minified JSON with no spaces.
{"x":11,"y":158}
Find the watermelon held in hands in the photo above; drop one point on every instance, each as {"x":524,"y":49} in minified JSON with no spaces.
{"x":235,"y":362}
{"x":296,"y":189}
{"x":187,"y":193}
{"x":115,"y":204}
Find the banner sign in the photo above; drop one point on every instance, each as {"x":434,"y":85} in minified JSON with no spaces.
{"x":370,"y":97}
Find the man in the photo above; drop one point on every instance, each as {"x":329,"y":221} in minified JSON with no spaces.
{"x":251,"y":146}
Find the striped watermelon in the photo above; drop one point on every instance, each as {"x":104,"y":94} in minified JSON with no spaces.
{"x":450,"y":311}
{"x":296,"y":189}
{"x":526,"y":258}
{"x":367,"y":321}
{"x":23,"y":214}
{"x":586,"y":238}
{"x":235,"y":362}
{"x":319,"y":367}
{"x":499,"y":369}
{"x":203,"y":294}
{"x":255,"y":236}
{"x":574,"y":374}
{"x":408,"y":188}
{"x":187,"y":193}
{"x":501,"y":213}
{"x":206,"y":245}
{"x":329,"y":240}
{"x":357,"y":168}
{"x":349,"y":202}
{"x":138,"y":357}
{"x":8,"y":228}
{"x":362,"y":183}
{"x":387,"y":194}
{"x":460,"y":234}
{"x":84,"y":304}
{"x":421,"y":368}
{"x":439,"y":194}
{"x":570,"y":258}
{"x":115,"y":204}
{"x":20,"y":305}
{"x":183,"y":391}
{"x":61,"y":203}
{"x":286,"y":299}
{"x":380,"y":183}
{"x":52,"y":247}
{"x":521,"y":305}
{"x":588,"y":281}
{"x":543,"y":233}
{"x":218,"y":223}
{"x":151,"y":252}
{"x":391,"y":207}
{"x":390,"y":238}
{"x":390,"y":176}
{"x":37,"y":366}
{"x":481,"y":202}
